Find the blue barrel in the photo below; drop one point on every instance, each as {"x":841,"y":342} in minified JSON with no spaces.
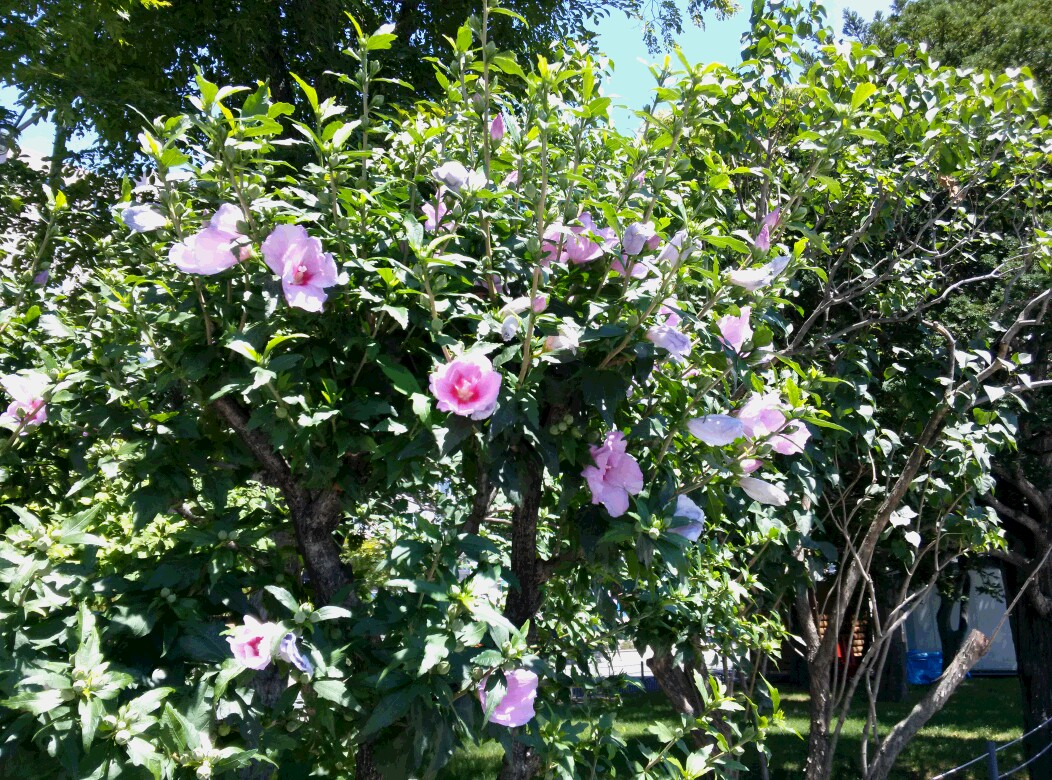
{"x":923,"y":667}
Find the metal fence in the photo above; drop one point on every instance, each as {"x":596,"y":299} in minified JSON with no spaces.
{"x":990,"y":757}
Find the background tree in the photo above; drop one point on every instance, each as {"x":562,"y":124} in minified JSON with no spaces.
{"x":996,"y":35}
{"x":987,"y":34}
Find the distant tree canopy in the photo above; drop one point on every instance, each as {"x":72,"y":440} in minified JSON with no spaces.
{"x":991,"y":34}
{"x":89,"y":64}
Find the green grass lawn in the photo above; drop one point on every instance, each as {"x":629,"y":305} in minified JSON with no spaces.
{"x":981,"y":709}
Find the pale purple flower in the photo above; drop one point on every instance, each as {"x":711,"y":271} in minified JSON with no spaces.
{"x":467,"y":386}
{"x":688,"y":510}
{"x":144,"y":218}
{"x":639,"y":178}
{"x":791,"y":439}
{"x":754,"y":278}
{"x":637,"y":269}
{"x":577,"y":248}
{"x":436,"y":213}
{"x":42,"y":278}
{"x":671,"y":314}
{"x":568,"y":339}
{"x":289,"y":652}
{"x":716,"y":430}
{"x":674,"y":341}
{"x":458,"y":177}
{"x":305,"y":271}
{"x":735,"y":331}
{"x":749,"y":465}
{"x":517,"y":706}
{"x":750,"y":278}
{"x":27,"y":391}
{"x":675,"y":251}
{"x":251,"y":643}
{"x":213,"y":249}
{"x":770,"y":222}
{"x":509,"y":328}
{"x":763,"y":491}
{"x":762,"y":415}
{"x":496,"y":128}
{"x":615,"y":476}
{"x":640,"y":235}
{"x":777,"y":265}
{"x":511,"y":180}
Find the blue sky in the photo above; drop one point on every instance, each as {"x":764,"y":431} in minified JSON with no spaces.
{"x":620,"y":37}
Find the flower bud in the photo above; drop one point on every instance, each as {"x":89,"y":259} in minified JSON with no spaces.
{"x":442,"y":668}
{"x":122,"y":737}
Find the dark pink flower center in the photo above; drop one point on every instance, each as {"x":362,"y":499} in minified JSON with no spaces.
{"x":252,"y":645}
{"x":302,"y":274}
{"x":466,"y":389}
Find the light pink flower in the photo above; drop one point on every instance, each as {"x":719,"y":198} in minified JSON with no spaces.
{"x":716,"y":430}
{"x":615,"y":476}
{"x":577,"y":247}
{"x":763,"y":491}
{"x":539,"y":304}
{"x":496,"y":128}
{"x":467,"y":386}
{"x":770,"y":222}
{"x":511,"y":180}
{"x":791,"y":439}
{"x":213,"y":249}
{"x":735,"y":331}
{"x":517,"y":706}
{"x":251,"y":643}
{"x":640,"y":235}
{"x":28,"y":391}
{"x":304,"y":269}
{"x":436,"y":212}
{"x":762,"y":415}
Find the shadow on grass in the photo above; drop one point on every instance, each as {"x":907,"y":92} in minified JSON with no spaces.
{"x":982,"y":709}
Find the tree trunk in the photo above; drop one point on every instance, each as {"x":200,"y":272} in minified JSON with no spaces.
{"x":819,"y":740}
{"x":678,"y":686}
{"x":1032,"y":636}
{"x":974,"y":648}
{"x":520,"y":761}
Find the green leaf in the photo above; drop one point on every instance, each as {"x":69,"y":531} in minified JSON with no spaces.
{"x":869,"y":134}
{"x":862,"y":93}
{"x":333,"y":690}
{"x":309,"y":91}
{"x":283,"y":597}
{"x":329,"y":613}
{"x":391,"y":707}
{"x":245,"y":349}
{"x":403,"y":381}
